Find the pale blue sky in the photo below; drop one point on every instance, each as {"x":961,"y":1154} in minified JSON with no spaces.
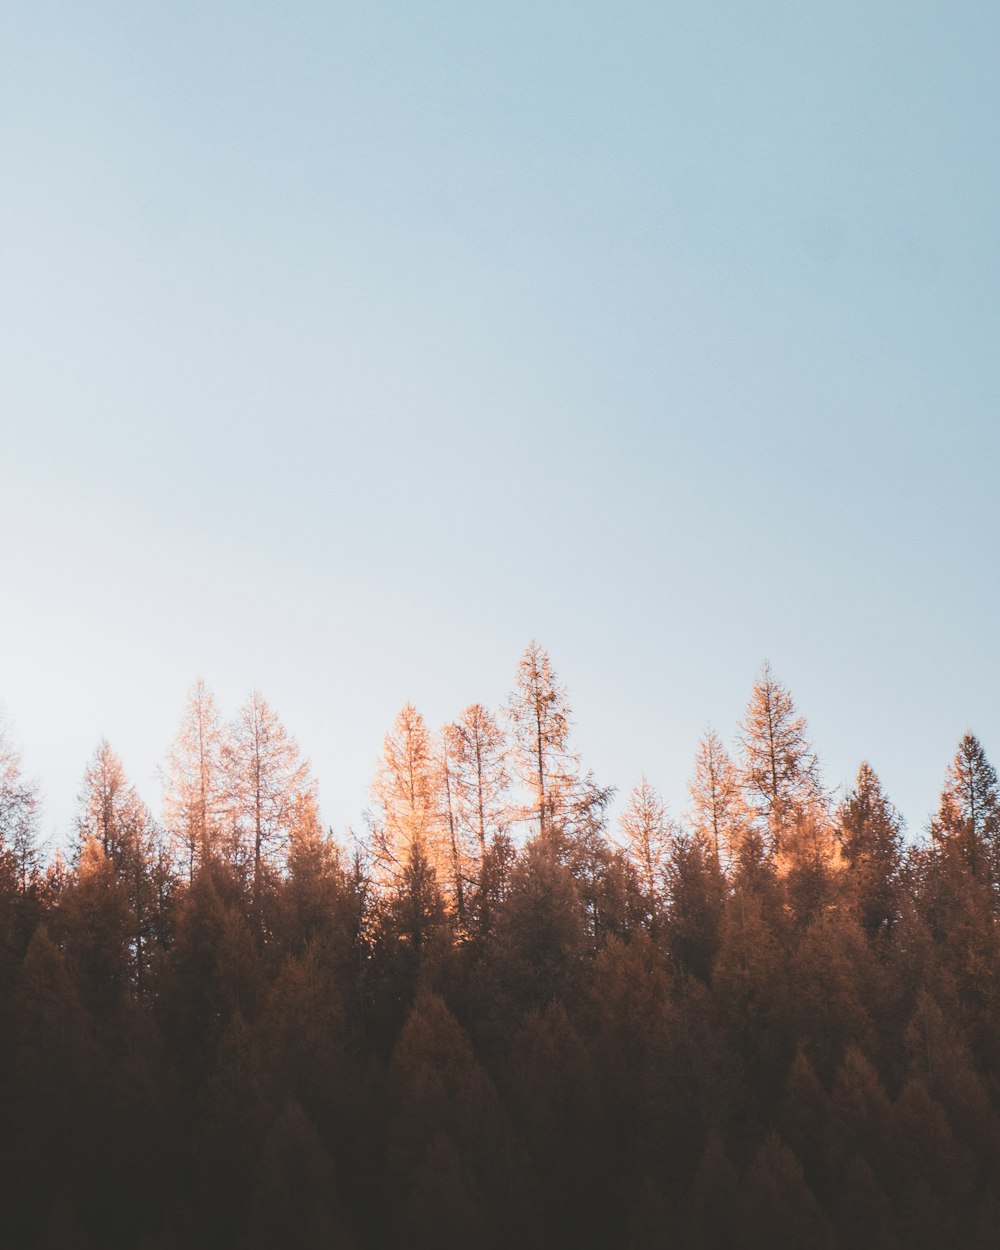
{"x":345,"y":348}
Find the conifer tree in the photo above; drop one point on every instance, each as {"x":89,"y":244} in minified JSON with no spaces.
{"x":541,"y":935}
{"x":111,"y":812}
{"x":968,"y":818}
{"x":696,"y":892}
{"x":933,"y":1171}
{"x":407,"y":805}
{"x":714,"y":1199}
{"x":647,"y":836}
{"x":460,"y":854}
{"x":780,"y":771}
{"x":718,"y":814}
{"x":778,"y":1209}
{"x":313,"y":897}
{"x":474,"y":783}
{"x":295,"y":1198}
{"x":54,"y":1081}
{"x":871,"y":844}
{"x":18,"y":811}
{"x":448,"y":1143}
{"x":863,"y":1213}
{"x":270,"y":787}
{"x":114,"y":818}
{"x":539,"y":714}
{"x":415,"y":909}
{"x":553,"y":1096}
{"x":478,"y":749}
{"x":196,"y":802}
{"x":859,"y":1117}
{"x":804,"y":1110}
{"x":97,"y":925}
{"x":22,"y":886}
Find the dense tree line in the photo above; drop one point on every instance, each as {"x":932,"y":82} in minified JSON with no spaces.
{"x":493,"y":1020}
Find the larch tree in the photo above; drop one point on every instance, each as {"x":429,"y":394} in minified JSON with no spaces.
{"x":270,"y":786}
{"x":475,"y":785}
{"x":871,"y":838}
{"x":969,"y":813}
{"x":647,"y":836}
{"x":478,"y":749}
{"x":111,"y":811}
{"x":460,"y":853}
{"x":114,"y":818}
{"x":19,"y":867}
{"x":449,"y":1149}
{"x":539,"y":714}
{"x":718,"y":813}
{"x":196,"y":802}
{"x":780,"y":770}
{"x":407,"y":805}
{"x":295,"y":1196}
{"x":18,"y":811}
{"x":105,"y":951}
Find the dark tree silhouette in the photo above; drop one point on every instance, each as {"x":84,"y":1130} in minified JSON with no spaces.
{"x":494,"y":1025}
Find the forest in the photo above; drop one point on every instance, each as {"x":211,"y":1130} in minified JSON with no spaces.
{"x":495,"y":1016}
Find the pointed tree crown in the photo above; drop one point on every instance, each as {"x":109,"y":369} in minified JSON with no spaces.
{"x":19,"y":805}
{"x":717,"y":811}
{"x":111,"y":813}
{"x":647,"y":835}
{"x":781,"y":776}
{"x":970,"y":798}
{"x":406,"y":798}
{"x":539,"y":715}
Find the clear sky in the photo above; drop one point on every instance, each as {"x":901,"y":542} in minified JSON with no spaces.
{"x":345,"y":348}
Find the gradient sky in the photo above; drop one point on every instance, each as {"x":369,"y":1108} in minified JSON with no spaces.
{"x":345,"y":348}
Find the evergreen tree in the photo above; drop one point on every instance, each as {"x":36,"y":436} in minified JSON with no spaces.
{"x":460,"y":853}
{"x":780,"y":771}
{"x":414,"y":917}
{"x":554,"y":1102}
{"x":407,"y":807}
{"x":196,"y":800}
{"x":713,"y":1212}
{"x":54,"y":1090}
{"x":211,"y":971}
{"x":114,"y":818}
{"x":803,"y":1114}
{"x":479,"y":750}
{"x":270,"y":786}
{"x":97,"y":927}
{"x":539,"y":714}
{"x":475,"y":792}
{"x":450,"y":1153}
{"x":541,"y":937}
{"x":933,"y":1174}
{"x":314,"y":903}
{"x":968,"y":818}
{"x":647,"y":836}
{"x":859,"y":1118}
{"x":295,"y":1203}
{"x":863,"y":1215}
{"x":19,"y":805}
{"x":718,"y":816}
{"x":777,"y":1207}
{"x":871,"y":836}
{"x":22,"y":887}
{"x":697,"y":891}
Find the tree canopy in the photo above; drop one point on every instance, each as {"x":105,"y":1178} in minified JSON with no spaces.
{"x":493,"y":1020}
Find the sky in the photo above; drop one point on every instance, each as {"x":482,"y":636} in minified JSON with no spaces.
{"x":345,"y":348}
